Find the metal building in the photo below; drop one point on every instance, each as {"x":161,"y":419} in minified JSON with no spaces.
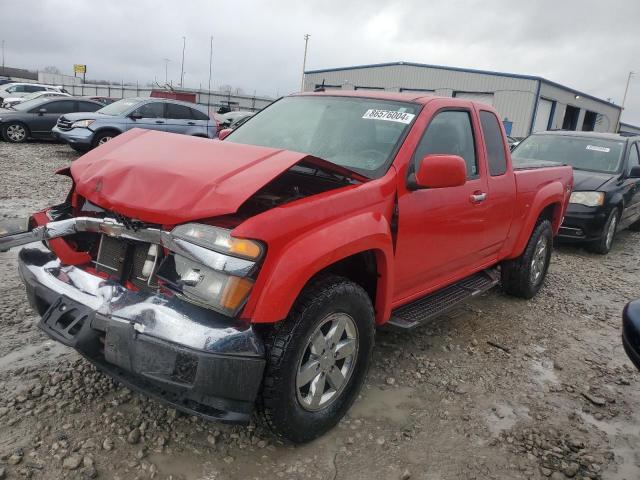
{"x":526,"y":103}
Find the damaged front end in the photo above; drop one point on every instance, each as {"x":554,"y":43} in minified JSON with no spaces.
{"x":154,"y":308}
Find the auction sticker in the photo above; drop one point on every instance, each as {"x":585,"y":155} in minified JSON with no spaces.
{"x":388,"y":115}
{"x":595,"y":148}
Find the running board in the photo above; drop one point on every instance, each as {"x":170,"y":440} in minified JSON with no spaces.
{"x":427,"y":308}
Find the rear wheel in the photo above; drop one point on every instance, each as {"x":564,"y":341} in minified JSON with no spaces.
{"x":101,"y":138}
{"x":15,"y":132}
{"x":523,"y":276}
{"x":317,"y":359}
{"x":604,"y":244}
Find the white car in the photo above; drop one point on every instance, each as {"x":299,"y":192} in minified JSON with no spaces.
{"x":11,"y":101}
{"x":15,"y":90}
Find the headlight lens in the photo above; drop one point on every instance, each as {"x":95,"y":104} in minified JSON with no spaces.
{"x":218,"y":239}
{"x":589,"y":199}
{"x":82,"y":124}
{"x":220,"y":280}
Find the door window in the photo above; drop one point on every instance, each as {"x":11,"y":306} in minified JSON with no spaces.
{"x":450,"y":132}
{"x":634,"y":159}
{"x":88,"y":107}
{"x":198,"y":115}
{"x":494,"y":142}
{"x":33,"y":88}
{"x":178,"y":112}
{"x":151,"y":110}
{"x":62,"y":106}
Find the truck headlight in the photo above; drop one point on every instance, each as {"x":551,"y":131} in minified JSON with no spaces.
{"x":211,"y":268}
{"x":589,"y":199}
{"x":82,"y":124}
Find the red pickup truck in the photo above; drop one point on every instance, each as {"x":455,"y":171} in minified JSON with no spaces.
{"x":219,"y":276}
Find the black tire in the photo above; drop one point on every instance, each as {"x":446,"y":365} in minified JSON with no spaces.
{"x":520,"y":276}
{"x":280,"y":405}
{"x":605,"y":242}
{"x":15,"y":132}
{"x":635,"y":226}
{"x":103,"y":137}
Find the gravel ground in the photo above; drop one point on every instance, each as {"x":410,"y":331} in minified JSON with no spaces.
{"x":499,"y":389}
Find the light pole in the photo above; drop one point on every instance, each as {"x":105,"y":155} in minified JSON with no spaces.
{"x":184,"y":44}
{"x":210,"y":66}
{"x":166,"y":70}
{"x":304,"y":60}
{"x":2,"y":56}
{"x":624,"y":99}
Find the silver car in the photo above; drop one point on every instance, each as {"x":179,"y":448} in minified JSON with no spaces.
{"x":83,"y":131}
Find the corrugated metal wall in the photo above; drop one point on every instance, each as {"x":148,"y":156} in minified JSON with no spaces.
{"x":514,"y":97}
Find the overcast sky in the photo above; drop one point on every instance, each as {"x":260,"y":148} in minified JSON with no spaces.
{"x":589,"y":45}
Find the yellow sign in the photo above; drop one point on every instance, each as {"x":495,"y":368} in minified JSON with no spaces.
{"x":77,"y":68}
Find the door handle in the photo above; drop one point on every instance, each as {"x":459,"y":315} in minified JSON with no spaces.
{"x":159,"y":121}
{"x":191,"y":123}
{"x":478,"y":197}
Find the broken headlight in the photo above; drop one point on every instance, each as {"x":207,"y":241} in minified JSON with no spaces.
{"x":211,"y":268}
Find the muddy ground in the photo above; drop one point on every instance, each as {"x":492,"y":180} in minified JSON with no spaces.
{"x":500,"y":389}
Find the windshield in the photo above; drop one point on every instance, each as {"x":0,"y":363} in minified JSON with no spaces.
{"x":119,"y":107}
{"x":582,"y":153}
{"x":358,"y":133}
{"x":29,"y":104}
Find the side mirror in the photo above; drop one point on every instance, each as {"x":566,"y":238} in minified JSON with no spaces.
{"x":42,"y":111}
{"x":634,"y":172}
{"x":135,"y":116}
{"x":222,"y":134}
{"x":439,"y":171}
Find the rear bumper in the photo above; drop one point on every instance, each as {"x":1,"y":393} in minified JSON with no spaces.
{"x":631,"y":331}
{"x":190,"y":357}
{"x":75,"y":136}
{"x":583,"y":226}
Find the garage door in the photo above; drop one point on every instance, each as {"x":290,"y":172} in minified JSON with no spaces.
{"x":476,"y":97}
{"x":542,"y":115}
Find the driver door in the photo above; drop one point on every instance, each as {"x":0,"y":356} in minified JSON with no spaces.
{"x":42,"y":123}
{"x":152,"y":117}
{"x":441,"y":230}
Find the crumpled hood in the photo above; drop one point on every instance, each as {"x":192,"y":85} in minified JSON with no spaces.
{"x":74,"y":117}
{"x":591,"y":181}
{"x":168,"y":179}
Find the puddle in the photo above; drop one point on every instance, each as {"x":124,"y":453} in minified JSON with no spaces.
{"x":393,"y":404}
{"x":543,"y":371}
{"x":503,"y":417}
{"x":624,"y":438}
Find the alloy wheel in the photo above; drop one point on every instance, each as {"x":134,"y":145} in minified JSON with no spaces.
{"x":16,"y":133}
{"x":611,"y":230}
{"x":539,"y":260}
{"x":327,"y":362}
{"x":104,"y":140}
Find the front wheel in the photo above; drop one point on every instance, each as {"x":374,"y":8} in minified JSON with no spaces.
{"x":523,"y":276}
{"x":15,"y":132}
{"x":101,"y":138}
{"x":604,"y":244}
{"x":317,"y":359}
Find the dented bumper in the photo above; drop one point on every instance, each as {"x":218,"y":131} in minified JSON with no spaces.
{"x":192,"y":358}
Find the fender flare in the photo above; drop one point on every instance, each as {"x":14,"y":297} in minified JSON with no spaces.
{"x":551,"y":194}
{"x":280,"y":285}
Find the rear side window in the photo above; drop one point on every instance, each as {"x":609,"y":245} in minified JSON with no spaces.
{"x":198,"y":115}
{"x":450,"y":132}
{"x":33,"y":88}
{"x":88,"y":107}
{"x":178,"y":112}
{"x":633,"y":156}
{"x":63,"y":106}
{"x":495,"y":145}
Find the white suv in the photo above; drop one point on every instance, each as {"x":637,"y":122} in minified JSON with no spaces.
{"x":22,"y":89}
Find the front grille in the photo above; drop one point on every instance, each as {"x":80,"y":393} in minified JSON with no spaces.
{"x":125,"y":261}
{"x":64,"y":124}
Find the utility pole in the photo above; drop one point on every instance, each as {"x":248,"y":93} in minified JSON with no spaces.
{"x":2,"y":56}
{"x":304,"y":60}
{"x":210,"y":66}
{"x":624,"y":99}
{"x":184,"y":44}
{"x":166,"y":70}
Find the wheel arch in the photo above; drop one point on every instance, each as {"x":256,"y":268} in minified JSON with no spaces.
{"x":11,"y":122}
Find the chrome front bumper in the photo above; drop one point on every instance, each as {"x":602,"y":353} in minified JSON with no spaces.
{"x":193,"y":358}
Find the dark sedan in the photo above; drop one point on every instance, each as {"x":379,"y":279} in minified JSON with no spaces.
{"x":606,"y":188}
{"x":35,"y":118}
{"x":631,"y":331}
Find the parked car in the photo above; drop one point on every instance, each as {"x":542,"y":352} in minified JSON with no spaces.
{"x":103,"y":100}
{"x":11,"y":101}
{"x":83,"y":131}
{"x":513,"y":142}
{"x":234,"y":119}
{"x":21,"y":89}
{"x":606,"y":196}
{"x":35,"y":118}
{"x":631,"y":331}
{"x":214,"y":275}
